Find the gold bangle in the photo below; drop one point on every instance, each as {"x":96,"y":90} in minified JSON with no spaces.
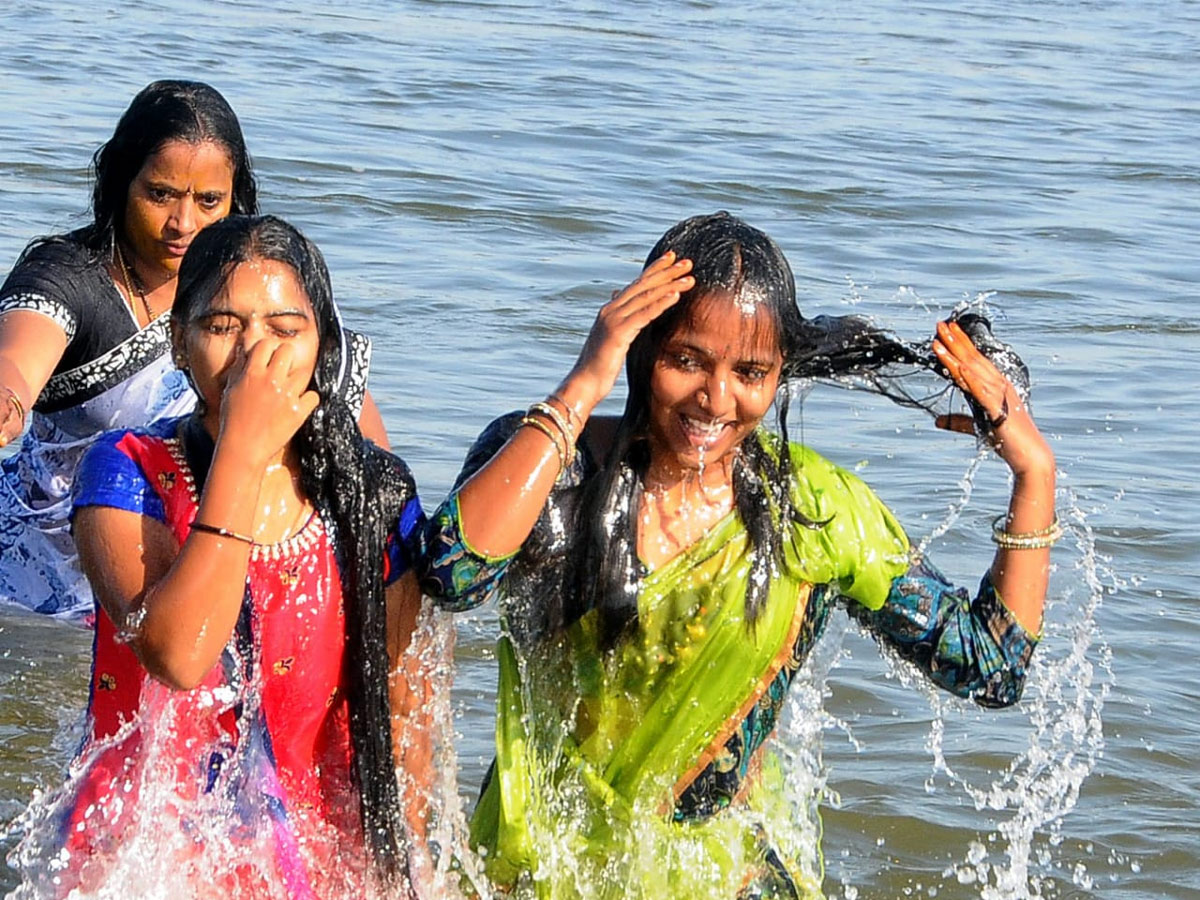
{"x":222,"y":532}
{"x":573,"y":416}
{"x":545,"y":409}
{"x":16,"y":401}
{"x":554,"y":439}
{"x":1027,"y":540}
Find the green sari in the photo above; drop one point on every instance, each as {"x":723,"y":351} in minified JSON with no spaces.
{"x":593,"y":748}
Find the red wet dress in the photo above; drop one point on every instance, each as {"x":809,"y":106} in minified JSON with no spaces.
{"x":243,"y":786}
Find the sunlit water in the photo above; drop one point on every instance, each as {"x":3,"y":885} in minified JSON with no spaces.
{"x":481,"y":176}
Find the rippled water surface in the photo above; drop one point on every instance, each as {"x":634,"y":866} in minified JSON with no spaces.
{"x":482,"y":175}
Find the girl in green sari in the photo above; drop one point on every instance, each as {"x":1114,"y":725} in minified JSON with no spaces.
{"x":665,"y":574}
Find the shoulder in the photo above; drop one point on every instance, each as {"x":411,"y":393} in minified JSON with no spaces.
{"x":113,"y":471}
{"x":589,"y":449}
{"x":494,"y":436}
{"x":129,"y":441}
{"x":53,"y":259}
{"x":55,"y":276}
{"x":391,"y":480}
{"x":821,"y":484}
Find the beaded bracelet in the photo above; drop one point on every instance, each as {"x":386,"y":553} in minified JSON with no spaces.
{"x":1028,"y":540}
{"x":555,"y":439}
{"x":545,"y":409}
{"x":222,"y":532}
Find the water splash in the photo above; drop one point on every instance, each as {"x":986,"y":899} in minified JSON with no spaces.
{"x":1028,"y":798}
{"x":152,"y":841}
{"x":1063,"y":702}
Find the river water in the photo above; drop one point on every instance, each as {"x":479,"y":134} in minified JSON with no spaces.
{"x":481,"y":175}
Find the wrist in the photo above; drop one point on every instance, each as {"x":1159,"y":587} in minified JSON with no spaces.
{"x":1035,"y":468}
{"x":239,"y":462}
{"x":14,"y":401}
{"x":579,"y":394}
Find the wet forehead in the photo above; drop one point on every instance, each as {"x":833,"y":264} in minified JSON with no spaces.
{"x":260,"y":288}
{"x":728,"y":327}
{"x":199,"y":166}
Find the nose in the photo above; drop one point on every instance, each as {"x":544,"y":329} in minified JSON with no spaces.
{"x":183,"y":216}
{"x":252,"y":332}
{"x":715,"y":398}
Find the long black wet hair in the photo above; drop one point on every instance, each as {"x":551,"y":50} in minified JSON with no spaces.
{"x":359,"y":490}
{"x":163,"y":111}
{"x":734,"y":261}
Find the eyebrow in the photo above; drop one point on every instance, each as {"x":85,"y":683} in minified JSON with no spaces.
{"x":705,"y":352}
{"x":171,"y":189}
{"x":273,"y":314}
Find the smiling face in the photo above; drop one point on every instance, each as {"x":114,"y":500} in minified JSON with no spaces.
{"x":712,"y":383}
{"x":261,"y":300}
{"x":180,"y":189}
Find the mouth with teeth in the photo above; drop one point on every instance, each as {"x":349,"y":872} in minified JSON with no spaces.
{"x":703,"y":433}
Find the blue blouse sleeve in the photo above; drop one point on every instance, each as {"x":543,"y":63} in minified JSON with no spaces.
{"x":107,"y":476}
{"x":406,"y":544}
{"x":973,"y":648}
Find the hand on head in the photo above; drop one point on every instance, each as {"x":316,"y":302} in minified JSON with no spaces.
{"x":620,"y":321}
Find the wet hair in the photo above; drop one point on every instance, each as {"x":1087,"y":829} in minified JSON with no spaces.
{"x":359,"y":489}
{"x":163,"y":111}
{"x":731,"y":262}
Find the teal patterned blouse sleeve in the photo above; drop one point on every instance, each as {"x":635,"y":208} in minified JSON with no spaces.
{"x":972,"y":648}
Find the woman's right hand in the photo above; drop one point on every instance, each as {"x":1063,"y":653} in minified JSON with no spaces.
{"x":618,"y":323}
{"x":266,"y":401}
{"x":500,"y":503}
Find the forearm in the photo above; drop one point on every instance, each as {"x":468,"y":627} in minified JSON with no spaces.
{"x":413,"y":654}
{"x":192,"y":611}
{"x":501,"y":502}
{"x":12,"y":378}
{"x":1021,"y":576}
{"x":31,"y":346}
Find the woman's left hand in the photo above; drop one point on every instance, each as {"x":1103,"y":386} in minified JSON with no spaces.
{"x":1014,"y":434}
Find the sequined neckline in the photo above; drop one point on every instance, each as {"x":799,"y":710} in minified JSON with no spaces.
{"x":299,"y":543}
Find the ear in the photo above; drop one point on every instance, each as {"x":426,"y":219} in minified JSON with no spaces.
{"x":178,"y":346}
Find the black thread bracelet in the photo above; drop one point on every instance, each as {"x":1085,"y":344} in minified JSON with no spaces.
{"x":222,"y":532}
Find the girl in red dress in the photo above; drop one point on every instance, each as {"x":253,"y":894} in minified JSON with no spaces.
{"x":252,"y":564}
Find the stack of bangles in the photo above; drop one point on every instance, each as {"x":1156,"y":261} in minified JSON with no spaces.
{"x":1028,"y":540}
{"x":552,"y":423}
